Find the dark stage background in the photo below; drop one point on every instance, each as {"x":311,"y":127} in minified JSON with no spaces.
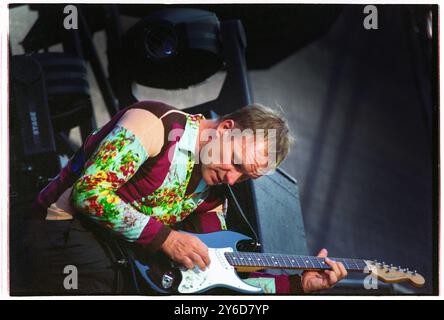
{"x":361,"y":108}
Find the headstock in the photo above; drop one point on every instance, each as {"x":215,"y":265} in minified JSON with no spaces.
{"x":392,"y":274}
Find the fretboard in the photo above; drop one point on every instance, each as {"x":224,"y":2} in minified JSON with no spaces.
{"x":285,"y":261}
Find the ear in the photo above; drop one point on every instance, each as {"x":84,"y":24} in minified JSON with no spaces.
{"x":224,"y":125}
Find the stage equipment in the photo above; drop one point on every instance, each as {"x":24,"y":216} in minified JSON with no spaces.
{"x":173,"y":48}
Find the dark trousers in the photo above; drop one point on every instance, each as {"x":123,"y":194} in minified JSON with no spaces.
{"x":65,"y":257}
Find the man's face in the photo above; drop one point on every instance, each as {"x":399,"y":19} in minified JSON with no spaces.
{"x":233,"y":158}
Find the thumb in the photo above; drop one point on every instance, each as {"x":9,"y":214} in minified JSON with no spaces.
{"x":323,"y":253}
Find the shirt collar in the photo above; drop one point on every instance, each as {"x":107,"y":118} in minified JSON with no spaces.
{"x":188,"y":139}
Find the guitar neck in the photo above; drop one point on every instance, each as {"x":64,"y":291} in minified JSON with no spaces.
{"x":285,"y":261}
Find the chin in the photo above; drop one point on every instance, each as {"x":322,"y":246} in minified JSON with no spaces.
{"x":206,"y":176}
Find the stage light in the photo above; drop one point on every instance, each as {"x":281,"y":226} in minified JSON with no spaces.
{"x":161,"y":42}
{"x":173,"y":48}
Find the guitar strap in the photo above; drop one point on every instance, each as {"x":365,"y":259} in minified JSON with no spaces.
{"x":256,"y":244}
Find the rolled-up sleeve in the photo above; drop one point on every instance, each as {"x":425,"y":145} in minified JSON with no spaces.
{"x":119,"y":155}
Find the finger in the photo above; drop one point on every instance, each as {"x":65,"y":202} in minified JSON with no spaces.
{"x":206,"y":259}
{"x":332,"y":277}
{"x":197,"y":260}
{"x":202,"y":250}
{"x":323,"y":253}
{"x":188,"y":263}
{"x":334,"y":266}
{"x":343,"y":270}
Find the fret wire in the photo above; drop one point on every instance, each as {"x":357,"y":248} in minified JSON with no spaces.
{"x":350,"y":264}
{"x":273,"y":259}
{"x":261,"y":260}
{"x":270,"y":260}
{"x":299,"y":261}
{"x":229,"y":258}
{"x":311,"y":262}
{"x":326,"y":266}
{"x":316,"y":260}
{"x":244,"y":259}
{"x":319,"y":262}
{"x":353,"y":261}
{"x":264,"y":262}
{"x":251,"y":259}
{"x":343,"y":261}
{"x":322,"y":263}
{"x":285,"y":261}
{"x":247,"y":260}
{"x":356,"y":264}
{"x":267,"y":262}
{"x":308,"y":259}
{"x":361,"y":264}
{"x":281,"y":261}
{"x":289,"y":262}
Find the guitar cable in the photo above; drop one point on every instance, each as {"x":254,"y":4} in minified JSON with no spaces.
{"x":241,"y":212}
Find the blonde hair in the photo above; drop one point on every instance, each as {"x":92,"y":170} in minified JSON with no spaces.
{"x":257,"y":116}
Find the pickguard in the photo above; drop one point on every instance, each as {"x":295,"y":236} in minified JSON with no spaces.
{"x":218,"y":274}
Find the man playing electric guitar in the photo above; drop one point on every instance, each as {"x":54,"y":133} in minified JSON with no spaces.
{"x":149,"y":168}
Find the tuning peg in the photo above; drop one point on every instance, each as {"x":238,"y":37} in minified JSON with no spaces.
{"x":406,"y":270}
{"x":414,"y":273}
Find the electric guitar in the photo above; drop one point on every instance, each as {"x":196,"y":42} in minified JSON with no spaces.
{"x":164,"y":276}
